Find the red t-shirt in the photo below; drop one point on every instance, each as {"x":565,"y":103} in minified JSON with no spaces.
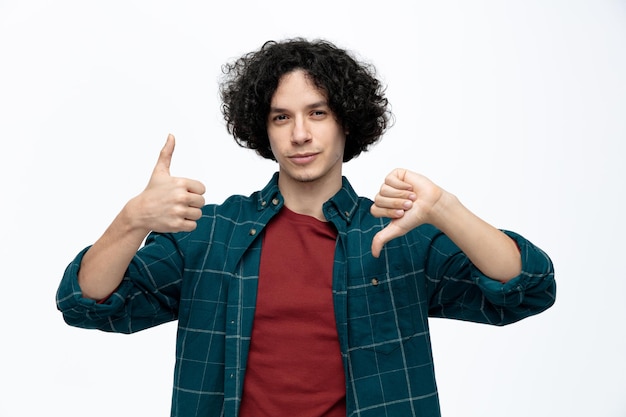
{"x":294,"y":365}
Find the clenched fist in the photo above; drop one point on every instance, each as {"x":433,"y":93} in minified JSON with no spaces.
{"x":409,"y":199}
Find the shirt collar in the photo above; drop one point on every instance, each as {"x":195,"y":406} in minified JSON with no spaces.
{"x":270,"y":195}
{"x":343,"y":204}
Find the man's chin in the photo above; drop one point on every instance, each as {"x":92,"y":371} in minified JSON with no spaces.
{"x":303,"y":176}
{"x":306,"y":179}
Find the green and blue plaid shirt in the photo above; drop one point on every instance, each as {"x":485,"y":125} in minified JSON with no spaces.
{"x":207,"y":280}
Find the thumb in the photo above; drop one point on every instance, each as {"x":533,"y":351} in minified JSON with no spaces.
{"x":165,"y":157}
{"x":391,"y":231}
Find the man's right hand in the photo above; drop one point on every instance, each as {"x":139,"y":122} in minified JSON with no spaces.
{"x":168,"y":204}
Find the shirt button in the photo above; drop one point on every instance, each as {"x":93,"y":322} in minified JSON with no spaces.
{"x":375,"y":282}
{"x":347,"y":213}
{"x":275,"y":201}
{"x":252,"y":232}
{"x":263,"y":203}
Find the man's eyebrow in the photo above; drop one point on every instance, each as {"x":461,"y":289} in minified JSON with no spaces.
{"x":321,"y":103}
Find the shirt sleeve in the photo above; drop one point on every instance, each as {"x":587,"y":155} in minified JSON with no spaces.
{"x":147,"y":296}
{"x":458,"y":290}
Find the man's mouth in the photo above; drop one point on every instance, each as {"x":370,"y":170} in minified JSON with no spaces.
{"x":303,"y":158}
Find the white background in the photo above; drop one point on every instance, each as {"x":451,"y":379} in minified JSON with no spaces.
{"x":517,"y":107}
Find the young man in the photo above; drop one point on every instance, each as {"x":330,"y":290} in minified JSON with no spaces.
{"x":303,"y":298}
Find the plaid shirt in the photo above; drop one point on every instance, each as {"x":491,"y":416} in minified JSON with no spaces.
{"x":207,"y":280}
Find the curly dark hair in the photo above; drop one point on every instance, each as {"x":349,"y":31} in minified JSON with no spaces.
{"x":355,"y":95}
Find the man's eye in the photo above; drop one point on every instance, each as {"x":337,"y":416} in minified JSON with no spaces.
{"x":280,"y":117}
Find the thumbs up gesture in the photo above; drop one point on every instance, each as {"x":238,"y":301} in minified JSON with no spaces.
{"x":168,"y":204}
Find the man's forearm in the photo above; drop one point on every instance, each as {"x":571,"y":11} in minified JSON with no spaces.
{"x":104,"y":264}
{"x":494,"y":253}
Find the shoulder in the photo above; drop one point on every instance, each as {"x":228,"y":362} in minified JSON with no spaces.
{"x":221,"y":223}
{"x":235,"y":209}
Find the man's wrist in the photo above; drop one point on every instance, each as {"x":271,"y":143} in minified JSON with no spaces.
{"x":445,"y":211}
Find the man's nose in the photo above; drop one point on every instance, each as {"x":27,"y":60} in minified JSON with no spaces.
{"x":301,"y":132}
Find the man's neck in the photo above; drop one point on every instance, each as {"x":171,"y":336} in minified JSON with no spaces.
{"x":309,"y":197}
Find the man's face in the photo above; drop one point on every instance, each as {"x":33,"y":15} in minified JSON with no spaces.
{"x":306,"y":139}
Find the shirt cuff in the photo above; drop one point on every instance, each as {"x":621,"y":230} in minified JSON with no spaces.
{"x":536,"y":278}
